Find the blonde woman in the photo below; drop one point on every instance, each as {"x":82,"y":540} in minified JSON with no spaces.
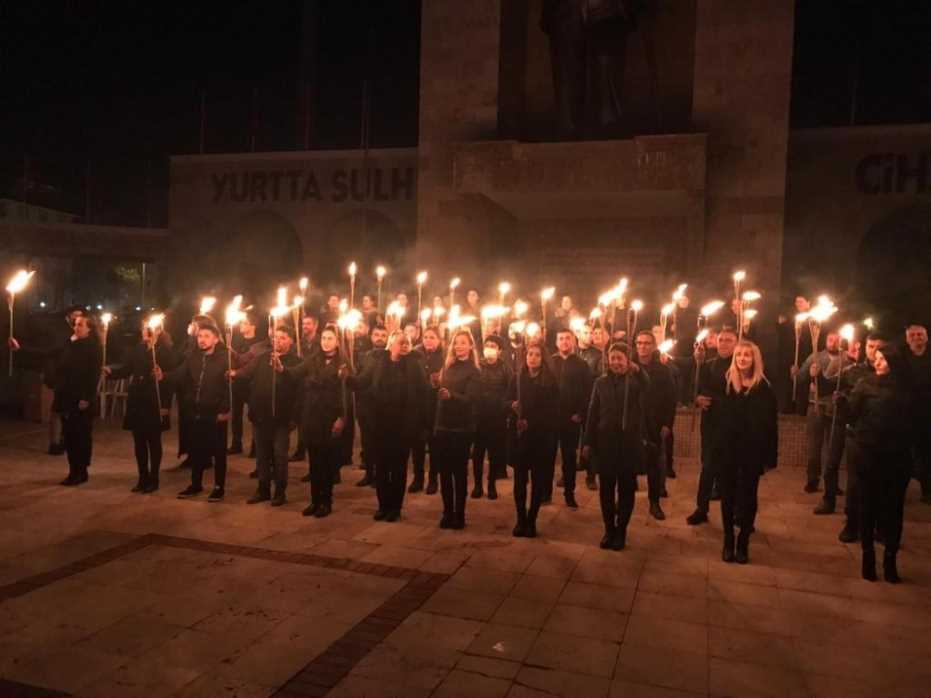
{"x":458,"y":396}
{"x":747,"y":443}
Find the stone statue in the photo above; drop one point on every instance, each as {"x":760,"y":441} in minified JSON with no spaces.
{"x":588,"y":46}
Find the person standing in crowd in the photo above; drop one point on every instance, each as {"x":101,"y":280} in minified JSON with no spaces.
{"x":881,"y":412}
{"x":918,"y":362}
{"x":799,"y":388}
{"x":824,"y":454}
{"x":365,"y":407}
{"x":589,"y":353}
{"x":535,"y":403}
{"x":473,"y":308}
{"x":712,"y":384}
{"x":272,"y":399}
{"x":398,"y":389}
{"x":147,"y":413}
{"x":310,"y":342}
{"x":618,"y":422}
{"x":369,"y":312}
{"x":575,"y":387}
{"x":491,"y":432}
{"x":661,"y":408}
{"x":458,"y":395}
{"x":852,"y":375}
{"x":201,"y":384}
{"x":430,"y":355}
{"x":247,"y":343}
{"x":325,"y":410}
{"x":330,"y":312}
{"x":747,"y":443}
{"x":188,"y":349}
{"x":76,"y":377}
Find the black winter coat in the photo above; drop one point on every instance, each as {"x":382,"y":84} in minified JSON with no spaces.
{"x":463,"y":381}
{"x":431,"y":362}
{"x":495,"y":381}
{"x":747,"y":429}
{"x":325,"y":397}
{"x":77,"y":374}
{"x":661,"y":395}
{"x":258,"y":375}
{"x":615,"y":447}
{"x":539,"y":402}
{"x":399,"y":392}
{"x":575,"y":386}
{"x":201,"y":384}
{"x":881,"y":412}
{"x":142,"y":400}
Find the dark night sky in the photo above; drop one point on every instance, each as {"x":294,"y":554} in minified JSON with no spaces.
{"x":119,"y":84}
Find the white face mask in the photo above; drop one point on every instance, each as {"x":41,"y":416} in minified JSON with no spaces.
{"x":490,"y":353}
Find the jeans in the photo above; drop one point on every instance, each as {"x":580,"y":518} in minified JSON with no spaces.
{"x":824,"y":447}
{"x":207,"y":440}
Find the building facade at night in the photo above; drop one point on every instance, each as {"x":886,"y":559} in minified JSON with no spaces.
{"x":700,"y":174}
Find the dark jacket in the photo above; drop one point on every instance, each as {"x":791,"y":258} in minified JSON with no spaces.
{"x":918,"y":376}
{"x":747,"y":431}
{"x":325,"y":398}
{"x":398,"y":392}
{"x":362,"y":385}
{"x":431,"y":362}
{"x":539,"y":402}
{"x":463,"y":381}
{"x":613,"y":445}
{"x":575,"y":386}
{"x":492,"y":408}
{"x":881,"y":413}
{"x":77,"y":374}
{"x":201,"y":384}
{"x":594,"y":358}
{"x":712,"y":382}
{"x":258,"y":375}
{"x":142,"y":400}
{"x":661,"y":395}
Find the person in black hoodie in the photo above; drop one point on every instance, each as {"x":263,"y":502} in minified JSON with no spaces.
{"x":661,"y":405}
{"x":881,"y":412}
{"x":491,"y":434}
{"x":271,"y":399}
{"x":398,"y":389}
{"x":431,"y":356}
{"x":365,"y":407}
{"x":325,"y":411}
{"x":618,"y":422}
{"x":458,"y":395}
{"x":244,"y":342}
{"x":187,"y":349}
{"x":146,"y":409}
{"x":575,"y":388}
{"x":747,"y":442}
{"x":712,"y":386}
{"x":534,"y":398}
{"x":202,"y":386}
{"x":75,"y":391}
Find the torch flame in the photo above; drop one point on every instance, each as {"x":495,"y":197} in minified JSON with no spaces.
{"x":493,"y":311}
{"x":533,"y":329}
{"x":740,"y":275}
{"x":282,"y":296}
{"x":19,"y":281}
{"x":302,"y":284}
{"x":380,"y":272}
{"x":425,"y":315}
{"x":751,"y":296}
{"x":547,"y":293}
{"x":454,"y":283}
{"x":422,"y":278}
{"x":105,"y":319}
{"x":234,"y":314}
{"x":520,"y":307}
{"x":155,"y":321}
{"x":665,"y":346}
{"x":504,"y":288}
{"x":847,"y":333}
{"x":395,"y":309}
{"x":667,"y":309}
{"x":749,"y":314}
{"x":701,"y":336}
{"x":595,"y":314}
{"x":576,"y":324}
{"x":711,"y":308}
{"x":343,"y":305}
{"x":637,"y":306}
{"x":353,"y":269}
{"x":206,"y":304}
{"x":679,"y":292}
{"x":869,"y":323}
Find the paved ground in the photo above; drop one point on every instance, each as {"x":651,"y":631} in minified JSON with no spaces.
{"x":103,"y":592}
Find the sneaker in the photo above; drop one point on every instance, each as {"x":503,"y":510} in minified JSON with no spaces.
{"x":520,"y":530}
{"x":697,"y":517}
{"x":531,"y":529}
{"x":570,"y":501}
{"x":657,"y":512}
{"x":825,"y":507}
{"x":151,"y":486}
{"x":619,"y":541}
{"x":279,"y":499}
{"x":416,"y":486}
{"x":310,"y":510}
{"x":811,"y":486}
{"x":189,"y":492}
{"x":392,"y":516}
{"x":216,"y":495}
{"x":380,"y":515}
{"x":323,"y":511}
{"x":140,"y":487}
{"x":492,"y":491}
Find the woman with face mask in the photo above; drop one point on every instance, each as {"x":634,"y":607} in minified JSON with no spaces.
{"x":534,"y":399}
{"x":881,"y":412}
{"x":459,"y":388}
{"x":491,"y":433}
{"x":747,"y":441}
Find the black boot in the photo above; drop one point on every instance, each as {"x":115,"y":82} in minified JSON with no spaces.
{"x":742,"y":553}
{"x":477,"y":470}
{"x":531,"y":526}
{"x":728,"y":553}
{"x":607,"y":538}
{"x":417,"y":484}
{"x":263,"y":494}
{"x":890,"y":572}
{"x":826,"y":506}
{"x":656,"y":511}
{"x":151,"y":485}
{"x":140,"y":485}
{"x":520,"y":528}
{"x":619,"y":541}
{"x":279,"y":499}
{"x":492,"y":489}
{"x":850,"y":533}
{"x":367,"y":479}
{"x":432,"y":486}
{"x":868,"y":566}
{"x":590,"y":482}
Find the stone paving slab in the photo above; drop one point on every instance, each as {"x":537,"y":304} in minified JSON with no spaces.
{"x":103,"y":592}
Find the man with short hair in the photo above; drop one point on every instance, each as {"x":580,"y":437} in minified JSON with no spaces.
{"x":201,"y":385}
{"x":918,"y":359}
{"x":661,"y":408}
{"x":824,"y":452}
{"x":712,"y":384}
{"x":575,"y":388}
{"x":590,"y":354}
